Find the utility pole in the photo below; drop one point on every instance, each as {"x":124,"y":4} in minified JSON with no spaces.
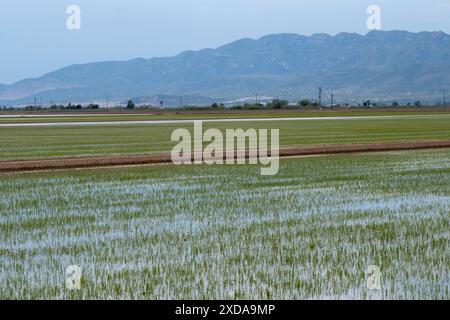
{"x":35,"y":102}
{"x":320,"y":98}
{"x":256,"y":100}
{"x":107,"y":102}
{"x":332,"y":101}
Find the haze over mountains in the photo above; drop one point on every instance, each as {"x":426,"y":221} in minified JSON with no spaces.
{"x":381,"y":63}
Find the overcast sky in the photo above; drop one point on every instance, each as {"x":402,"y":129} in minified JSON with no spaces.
{"x":34,"y":38}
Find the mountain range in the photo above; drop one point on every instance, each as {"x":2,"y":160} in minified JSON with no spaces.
{"x":380,"y":63}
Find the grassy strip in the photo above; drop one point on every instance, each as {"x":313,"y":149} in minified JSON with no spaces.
{"x":182,"y":115}
{"x":45,"y":142}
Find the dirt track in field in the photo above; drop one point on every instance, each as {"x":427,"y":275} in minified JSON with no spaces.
{"x":130,"y":160}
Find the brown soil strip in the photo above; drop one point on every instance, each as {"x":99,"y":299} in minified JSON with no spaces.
{"x":128,"y":160}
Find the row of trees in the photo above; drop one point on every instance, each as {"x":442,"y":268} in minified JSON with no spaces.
{"x":70,"y":106}
{"x":305,"y":103}
{"x":274,"y":104}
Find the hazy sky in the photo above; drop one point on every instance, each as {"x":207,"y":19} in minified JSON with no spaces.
{"x":34,"y":38}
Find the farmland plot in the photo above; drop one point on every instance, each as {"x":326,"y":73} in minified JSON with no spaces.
{"x":225,"y":232}
{"x":18,"y":143}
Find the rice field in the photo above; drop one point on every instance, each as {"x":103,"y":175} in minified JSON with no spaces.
{"x":18,"y":143}
{"x":225,"y":232}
